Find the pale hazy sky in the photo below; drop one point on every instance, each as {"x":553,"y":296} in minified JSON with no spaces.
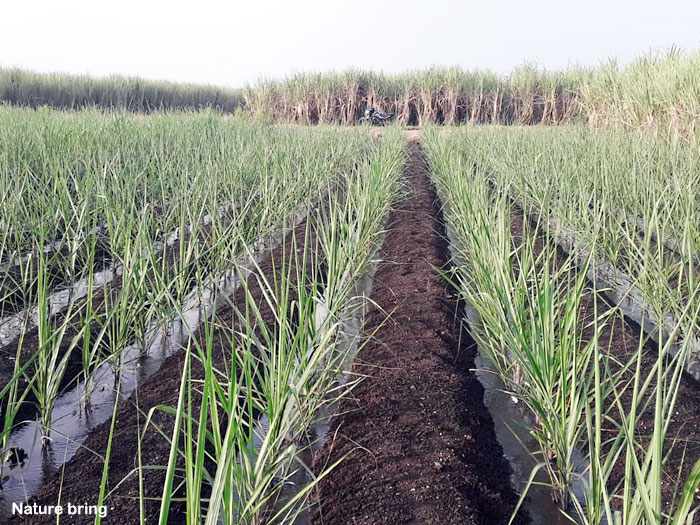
{"x":229,"y":43}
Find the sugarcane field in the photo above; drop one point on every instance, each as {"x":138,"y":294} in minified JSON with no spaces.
{"x":261,"y":268}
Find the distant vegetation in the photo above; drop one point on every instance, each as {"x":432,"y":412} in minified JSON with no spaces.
{"x":437,"y":95}
{"x":65,"y":91}
{"x":658,"y":92}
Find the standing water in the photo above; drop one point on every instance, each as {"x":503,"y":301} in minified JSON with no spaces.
{"x":34,"y":465}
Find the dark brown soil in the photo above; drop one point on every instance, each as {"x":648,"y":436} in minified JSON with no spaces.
{"x":420,"y":443}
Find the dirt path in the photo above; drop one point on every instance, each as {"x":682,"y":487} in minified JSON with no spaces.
{"x":421,"y":445}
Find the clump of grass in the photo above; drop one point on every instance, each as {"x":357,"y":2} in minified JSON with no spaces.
{"x":658,"y":93}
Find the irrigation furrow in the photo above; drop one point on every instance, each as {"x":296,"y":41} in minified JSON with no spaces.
{"x":512,"y":423}
{"x":624,"y":293}
{"x":418,"y":442}
{"x":47,"y":249}
{"x":671,"y":243}
{"x":20,"y":322}
{"x":69,"y":428}
{"x":349,"y":327}
{"x":57,"y":244}
{"x":620,"y":288}
{"x":597,"y":386}
{"x":154,"y":392}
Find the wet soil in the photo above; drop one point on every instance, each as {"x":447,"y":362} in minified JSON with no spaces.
{"x":420,"y":444}
{"x":419,"y":441}
{"x":28,"y":345}
{"x":80,"y":479}
{"x":620,"y":339}
{"x":28,"y":342}
{"x":13,"y":294}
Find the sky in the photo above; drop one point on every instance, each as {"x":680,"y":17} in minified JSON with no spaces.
{"x":234,"y":42}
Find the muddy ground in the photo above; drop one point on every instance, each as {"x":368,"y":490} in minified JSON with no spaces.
{"x":620,"y":339}
{"x":80,"y":480}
